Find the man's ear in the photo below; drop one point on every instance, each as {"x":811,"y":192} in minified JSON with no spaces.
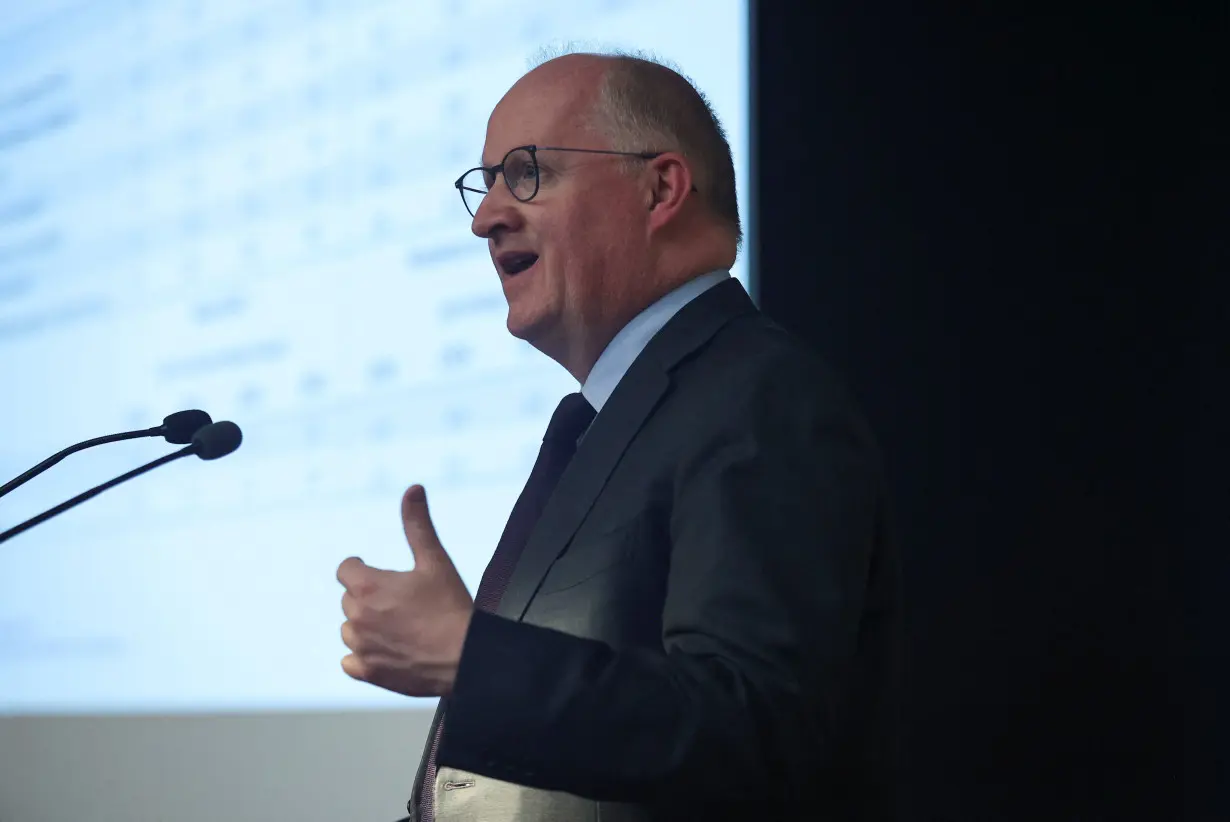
{"x":671,"y":183}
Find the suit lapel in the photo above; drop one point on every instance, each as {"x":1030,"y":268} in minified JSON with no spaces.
{"x":412,"y":807}
{"x":634,"y":399}
{"x":584,"y":477}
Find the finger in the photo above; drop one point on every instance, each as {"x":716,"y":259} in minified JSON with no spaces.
{"x":350,"y":636}
{"x":420,"y":532}
{"x":350,"y":605}
{"x":352,"y":572}
{"x":354,"y":667}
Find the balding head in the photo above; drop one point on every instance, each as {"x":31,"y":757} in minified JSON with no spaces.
{"x":642,"y":104}
{"x":612,"y":219}
{"x":574,"y":76}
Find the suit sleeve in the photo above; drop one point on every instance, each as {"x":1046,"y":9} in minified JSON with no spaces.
{"x":773,"y":526}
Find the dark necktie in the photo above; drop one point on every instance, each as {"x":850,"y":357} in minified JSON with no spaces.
{"x":572,"y":416}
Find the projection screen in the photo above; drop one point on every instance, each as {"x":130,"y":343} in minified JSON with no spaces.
{"x":248,"y":208}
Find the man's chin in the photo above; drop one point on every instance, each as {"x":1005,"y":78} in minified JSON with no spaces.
{"x":536,"y":329}
{"x":524,"y":326}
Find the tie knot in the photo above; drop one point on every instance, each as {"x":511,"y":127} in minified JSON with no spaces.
{"x":572,"y":416}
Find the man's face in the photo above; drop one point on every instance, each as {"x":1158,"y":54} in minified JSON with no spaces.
{"x":584,"y":231}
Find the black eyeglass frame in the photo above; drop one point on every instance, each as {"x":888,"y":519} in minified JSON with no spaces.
{"x":533,"y":152}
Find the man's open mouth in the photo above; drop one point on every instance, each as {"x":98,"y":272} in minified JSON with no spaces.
{"x":515,"y":262}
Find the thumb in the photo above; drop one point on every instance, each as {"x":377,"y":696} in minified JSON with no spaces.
{"x":420,"y":532}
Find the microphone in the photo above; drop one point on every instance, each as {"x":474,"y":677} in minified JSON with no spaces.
{"x":211,"y":442}
{"x":178,"y":428}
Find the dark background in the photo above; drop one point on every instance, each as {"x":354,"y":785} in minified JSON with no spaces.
{"x":1004,"y":228}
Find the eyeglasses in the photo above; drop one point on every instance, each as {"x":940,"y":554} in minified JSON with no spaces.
{"x":520,"y":171}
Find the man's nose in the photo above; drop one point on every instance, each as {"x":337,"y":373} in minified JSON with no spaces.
{"x":499,"y":211}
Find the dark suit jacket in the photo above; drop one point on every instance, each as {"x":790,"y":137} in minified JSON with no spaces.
{"x":704,"y":623}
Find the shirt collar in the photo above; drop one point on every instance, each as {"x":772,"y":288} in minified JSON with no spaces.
{"x":631,"y":340}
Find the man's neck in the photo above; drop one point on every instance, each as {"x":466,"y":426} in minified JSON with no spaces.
{"x":627,"y":345}
{"x":579,"y":348}
{"x":595,"y":337}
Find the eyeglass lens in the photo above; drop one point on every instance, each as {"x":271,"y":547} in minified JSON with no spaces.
{"x":520,"y":172}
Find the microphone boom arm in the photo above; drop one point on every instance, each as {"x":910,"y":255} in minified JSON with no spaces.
{"x":72,"y":449}
{"x":93,"y":492}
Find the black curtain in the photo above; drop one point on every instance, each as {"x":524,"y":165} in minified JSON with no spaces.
{"x":1005,"y":230}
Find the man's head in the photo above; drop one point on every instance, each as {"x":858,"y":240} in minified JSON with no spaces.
{"x":611,"y":233}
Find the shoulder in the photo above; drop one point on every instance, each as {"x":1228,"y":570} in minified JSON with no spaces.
{"x":754,"y":372}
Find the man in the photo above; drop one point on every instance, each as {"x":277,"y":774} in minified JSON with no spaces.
{"x":693,"y":611}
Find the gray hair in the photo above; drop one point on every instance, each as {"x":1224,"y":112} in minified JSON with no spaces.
{"x":647,"y":104}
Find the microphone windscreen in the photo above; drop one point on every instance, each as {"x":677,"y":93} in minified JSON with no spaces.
{"x":180,"y":427}
{"x":217,"y":440}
